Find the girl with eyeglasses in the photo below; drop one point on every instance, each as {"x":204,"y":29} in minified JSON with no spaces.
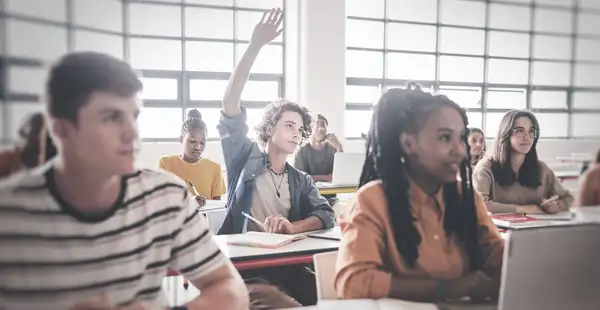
{"x":513,"y":179}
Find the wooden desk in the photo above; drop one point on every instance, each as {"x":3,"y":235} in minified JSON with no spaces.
{"x":299,"y":252}
{"x":330,"y":189}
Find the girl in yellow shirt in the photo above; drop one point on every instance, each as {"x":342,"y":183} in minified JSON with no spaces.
{"x":205,"y":174}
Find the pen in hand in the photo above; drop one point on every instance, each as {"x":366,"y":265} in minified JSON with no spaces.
{"x":257,"y":222}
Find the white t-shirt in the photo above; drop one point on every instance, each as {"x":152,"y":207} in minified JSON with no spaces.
{"x":52,"y":256}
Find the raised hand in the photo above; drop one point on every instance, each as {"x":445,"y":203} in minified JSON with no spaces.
{"x":268,"y":28}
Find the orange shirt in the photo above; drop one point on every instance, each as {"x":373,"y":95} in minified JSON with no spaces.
{"x":368,"y":258}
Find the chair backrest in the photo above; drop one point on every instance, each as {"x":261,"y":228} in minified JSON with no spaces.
{"x":325,"y":274}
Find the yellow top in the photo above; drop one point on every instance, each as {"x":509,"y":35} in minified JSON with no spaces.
{"x":205,"y":174}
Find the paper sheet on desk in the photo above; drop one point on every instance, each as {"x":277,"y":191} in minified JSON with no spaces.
{"x":561,"y":216}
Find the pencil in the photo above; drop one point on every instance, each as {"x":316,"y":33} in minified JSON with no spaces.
{"x":193,"y":188}
{"x":257,"y":222}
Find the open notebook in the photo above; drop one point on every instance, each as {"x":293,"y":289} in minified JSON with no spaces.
{"x":263,"y":239}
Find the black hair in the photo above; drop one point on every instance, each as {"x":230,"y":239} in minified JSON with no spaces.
{"x":193,"y":121}
{"x":404,"y":111}
{"x":76,"y":76}
{"x":477,"y":130}
{"x":321,"y":117}
{"x":529,"y":174}
{"x":273,"y":113}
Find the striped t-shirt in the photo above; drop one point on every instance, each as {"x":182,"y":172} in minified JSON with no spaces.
{"x":53,"y":256}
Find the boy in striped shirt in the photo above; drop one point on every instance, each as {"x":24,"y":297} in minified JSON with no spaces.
{"x":88,"y":230}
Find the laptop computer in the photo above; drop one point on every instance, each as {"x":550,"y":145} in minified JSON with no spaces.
{"x":347,"y":168}
{"x":552,"y":268}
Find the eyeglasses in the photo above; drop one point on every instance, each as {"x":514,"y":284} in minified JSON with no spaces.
{"x":522,"y":133}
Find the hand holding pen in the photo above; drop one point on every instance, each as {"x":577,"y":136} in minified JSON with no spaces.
{"x":199,"y":199}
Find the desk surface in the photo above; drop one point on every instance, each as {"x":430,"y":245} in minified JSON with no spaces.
{"x":308,"y":246}
{"x":389,"y":304}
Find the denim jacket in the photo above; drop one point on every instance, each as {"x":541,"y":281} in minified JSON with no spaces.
{"x":244,"y":160}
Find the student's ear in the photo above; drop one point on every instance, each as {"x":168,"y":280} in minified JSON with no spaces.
{"x":408,"y":143}
{"x":62,"y":128}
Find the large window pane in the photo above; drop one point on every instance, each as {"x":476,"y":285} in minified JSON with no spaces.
{"x":160,"y":122}
{"x":413,"y":10}
{"x":26,"y":80}
{"x":261,"y":91}
{"x":51,"y":10}
{"x":411,"y":66}
{"x":588,"y":24}
{"x":549,"y":47}
{"x":143,"y":19}
{"x":518,"y":47}
{"x":414,"y":37}
{"x":553,"y":125}
{"x":209,"y":56}
{"x":586,"y":125}
{"x":227,"y":3}
{"x":549,"y":99}
{"x":553,"y":21}
{"x":462,"y":41}
{"x":565,"y":3}
{"x":259,"y":4}
{"x":509,"y":17}
{"x":548,"y":73}
{"x":209,"y":23}
{"x":492,"y":123}
{"x":100,"y":14}
{"x":498,"y":98}
{"x":461,"y":69}
{"x":357,"y":122}
{"x":508,"y":71}
{"x":365,"y":8}
{"x":592,"y":4}
{"x":245,"y":23}
{"x":270,"y":59}
{"x":588,"y":49}
{"x":466,"y":97}
{"x":103,"y":43}
{"x":37,"y":41}
{"x":586,"y":100}
{"x":364,"y":64}
{"x":155,"y":54}
{"x":207,"y":89}
{"x":361,"y":33}
{"x":159,"y":89}
{"x":475,"y":119}
{"x":464,"y":13}
{"x":362,"y":94}
{"x":587,"y":75}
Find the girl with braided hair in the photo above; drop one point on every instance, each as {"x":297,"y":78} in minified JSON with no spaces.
{"x":416,"y":232}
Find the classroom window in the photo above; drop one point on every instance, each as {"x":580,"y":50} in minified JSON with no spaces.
{"x":508,"y":71}
{"x":365,"y":8}
{"x":586,"y":75}
{"x":159,"y":89}
{"x":209,"y":56}
{"x":466,"y":97}
{"x":174,"y":47}
{"x":588,"y":49}
{"x":556,"y":21}
{"x":507,"y":98}
{"x":367,"y":34}
{"x":412,"y":10}
{"x":415,"y":37}
{"x":364,"y":64}
{"x":518,"y":48}
{"x":462,"y":41}
{"x":585,"y":125}
{"x":357,"y":122}
{"x":586,"y":100}
{"x":509,"y":17}
{"x":160,"y":122}
{"x":362,"y":94}
{"x":461,"y":69}
{"x":463,"y":13}
{"x":549,"y":124}
{"x":411,"y":66}
{"x":545,"y":99}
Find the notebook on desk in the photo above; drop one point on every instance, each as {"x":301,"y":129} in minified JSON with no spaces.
{"x":263,"y":239}
{"x":519,"y":220}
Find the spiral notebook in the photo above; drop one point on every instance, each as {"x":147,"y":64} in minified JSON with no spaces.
{"x":263,"y":239}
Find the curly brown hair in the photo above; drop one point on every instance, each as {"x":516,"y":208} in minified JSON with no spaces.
{"x":273,"y":113}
